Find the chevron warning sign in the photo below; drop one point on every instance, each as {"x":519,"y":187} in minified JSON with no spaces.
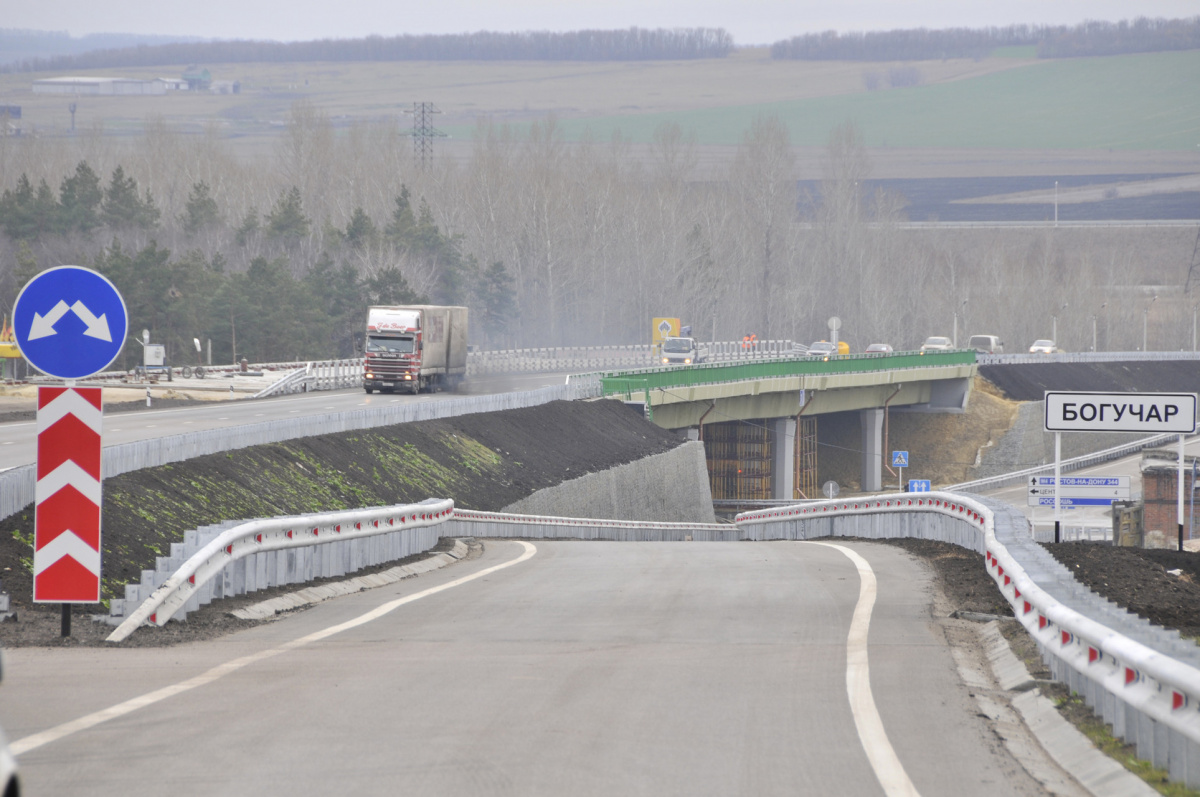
{"x":66,"y":542}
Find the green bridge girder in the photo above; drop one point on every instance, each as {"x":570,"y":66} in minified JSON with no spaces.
{"x":679,"y":396}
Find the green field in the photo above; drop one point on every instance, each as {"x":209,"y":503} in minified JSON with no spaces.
{"x":1146,"y":102}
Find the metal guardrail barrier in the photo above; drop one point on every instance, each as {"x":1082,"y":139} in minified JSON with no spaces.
{"x":1143,"y":680}
{"x":1075,"y":463}
{"x":1087,"y":357}
{"x":247,"y":556}
{"x":796,"y":365}
{"x":471,"y":523}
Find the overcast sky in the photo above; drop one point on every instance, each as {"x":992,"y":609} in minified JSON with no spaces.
{"x":750,"y":21}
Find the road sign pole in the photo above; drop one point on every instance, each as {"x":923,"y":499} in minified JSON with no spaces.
{"x":1179,"y":499}
{"x":1057,"y":487}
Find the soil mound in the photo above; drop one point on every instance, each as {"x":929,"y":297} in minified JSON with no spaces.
{"x":483,"y":461}
{"x":1029,"y":382}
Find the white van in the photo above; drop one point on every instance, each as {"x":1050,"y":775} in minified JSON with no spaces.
{"x":986,"y":344}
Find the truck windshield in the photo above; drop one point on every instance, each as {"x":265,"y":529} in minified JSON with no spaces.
{"x":377,"y":343}
{"x":677,"y":345}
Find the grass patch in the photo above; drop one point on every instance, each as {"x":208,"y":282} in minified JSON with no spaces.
{"x":1076,"y":711}
{"x":1136,"y":102}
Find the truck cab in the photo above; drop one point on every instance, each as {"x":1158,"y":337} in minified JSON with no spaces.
{"x":682,"y":351}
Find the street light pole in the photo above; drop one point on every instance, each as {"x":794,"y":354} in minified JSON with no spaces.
{"x":1095,"y":315}
{"x":1146,"y":321}
{"x":1054,"y":326}
{"x":1056,"y":206}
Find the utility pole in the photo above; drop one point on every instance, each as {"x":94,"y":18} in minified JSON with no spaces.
{"x":423,"y":132}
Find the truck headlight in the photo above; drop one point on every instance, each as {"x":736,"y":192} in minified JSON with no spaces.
{"x":665,"y":361}
{"x":687,"y":360}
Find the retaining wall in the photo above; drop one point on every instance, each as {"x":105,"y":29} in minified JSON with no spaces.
{"x":672,"y":486}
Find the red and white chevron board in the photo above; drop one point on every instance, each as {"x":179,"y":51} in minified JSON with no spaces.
{"x":66,"y":540}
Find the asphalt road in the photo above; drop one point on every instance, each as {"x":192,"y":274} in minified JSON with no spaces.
{"x":18,"y":440}
{"x":590,"y":668}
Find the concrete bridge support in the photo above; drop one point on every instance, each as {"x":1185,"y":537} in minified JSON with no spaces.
{"x":783,"y":458}
{"x":872,"y":448}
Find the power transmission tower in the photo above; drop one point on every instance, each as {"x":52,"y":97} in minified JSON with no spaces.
{"x":423,"y":132}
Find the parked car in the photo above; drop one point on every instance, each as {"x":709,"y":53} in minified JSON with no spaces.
{"x":879,"y":348}
{"x":1043,"y":346}
{"x":937,"y":343}
{"x":986,"y":344}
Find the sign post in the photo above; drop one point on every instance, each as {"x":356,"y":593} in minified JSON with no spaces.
{"x":1147,"y":413}
{"x":900,"y":460}
{"x":70,"y":323}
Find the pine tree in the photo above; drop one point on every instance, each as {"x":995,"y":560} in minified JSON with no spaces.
{"x":80,"y":196}
{"x":287,"y":221}
{"x":201,"y":209}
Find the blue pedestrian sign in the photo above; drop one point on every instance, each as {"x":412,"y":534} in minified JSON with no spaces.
{"x":899,"y":459}
{"x":70,"y":322}
{"x":919,"y":485}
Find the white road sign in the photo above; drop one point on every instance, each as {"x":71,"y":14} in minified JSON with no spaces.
{"x":1078,"y":490}
{"x":1149,"y":413}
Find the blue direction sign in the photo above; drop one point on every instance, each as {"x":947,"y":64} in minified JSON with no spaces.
{"x":70,"y":322}
{"x":899,"y":459}
{"x":920,"y":485}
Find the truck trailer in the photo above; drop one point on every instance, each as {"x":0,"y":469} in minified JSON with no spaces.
{"x":414,"y":348}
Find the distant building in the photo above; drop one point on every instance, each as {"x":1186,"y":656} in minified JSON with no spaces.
{"x":1160,"y":493}
{"x":99,"y":86}
{"x":197,"y":78}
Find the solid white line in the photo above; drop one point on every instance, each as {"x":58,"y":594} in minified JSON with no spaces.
{"x":883,"y":758}
{"x":37,"y":740}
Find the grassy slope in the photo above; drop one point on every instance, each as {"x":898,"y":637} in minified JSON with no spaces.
{"x":1127,"y":102}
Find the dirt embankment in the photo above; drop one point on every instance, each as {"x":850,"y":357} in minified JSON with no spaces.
{"x":483,"y":461}
{"x":1029,"y":382}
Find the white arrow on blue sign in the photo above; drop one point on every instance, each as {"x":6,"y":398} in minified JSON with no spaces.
{"x":920,"y":485}
{"x":899,"y":459}
{"x":70,"y":322}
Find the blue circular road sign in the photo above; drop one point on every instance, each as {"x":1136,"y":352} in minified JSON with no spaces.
{"x":70,"y":322}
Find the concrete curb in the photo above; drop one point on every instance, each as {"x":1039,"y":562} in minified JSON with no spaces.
{"x":1070,"y":749}
{"x":311,"y":595}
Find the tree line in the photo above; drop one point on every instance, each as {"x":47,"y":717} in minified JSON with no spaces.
{"x":550,"y":243}
{"x":631,"y":44}
{"x":1051,"y":41}
{"x":281,"y":314}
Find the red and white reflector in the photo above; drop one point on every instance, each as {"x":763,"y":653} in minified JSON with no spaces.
{"x":66,"y":539}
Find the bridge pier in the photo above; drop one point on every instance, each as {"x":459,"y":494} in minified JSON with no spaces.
{"x":783,"y":458}
{"x":872,"y":448}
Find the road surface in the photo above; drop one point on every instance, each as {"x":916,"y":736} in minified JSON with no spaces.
{"x":590,"y":668}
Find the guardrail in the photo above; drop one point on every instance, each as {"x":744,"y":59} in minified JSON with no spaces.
{"x":1087,"y":357}
{"x":1074,"y":463}
{"x":797,"y":365}
{"x":247,"y":556}
{"x":1143,"y":680}
{"x":472,"y":523}
{"x":323,"y":375}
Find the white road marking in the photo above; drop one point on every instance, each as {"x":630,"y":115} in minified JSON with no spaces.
{"x":8,"y":442}
{"x":883,"y":758}
{"x":37,"y":740}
